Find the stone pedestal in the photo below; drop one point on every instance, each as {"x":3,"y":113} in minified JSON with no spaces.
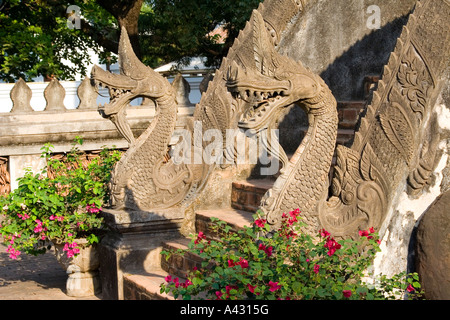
{"x":134,"y":244}
{"x":83,"y":275}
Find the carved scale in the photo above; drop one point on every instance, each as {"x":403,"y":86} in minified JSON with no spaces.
{"x":143,"y":178}
{"x":388,"y":144}
{"x":386,"y":149}
{"x":146,"y":178}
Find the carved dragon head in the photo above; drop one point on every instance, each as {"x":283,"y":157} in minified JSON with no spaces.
{"x":135,"y":80}
{"x":275,"y":83}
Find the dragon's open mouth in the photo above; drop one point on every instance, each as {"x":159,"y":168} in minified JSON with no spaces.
{"x":120,"y":89}
{"x":261,"y":105}
{"x":262,"y":96}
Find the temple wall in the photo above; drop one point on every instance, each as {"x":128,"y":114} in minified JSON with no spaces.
{"x":339,"y":40}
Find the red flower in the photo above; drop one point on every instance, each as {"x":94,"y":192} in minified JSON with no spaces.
{"x":168,"y":278}
{"x":324,"y":233}
{"x":231,"y":263}
{"x":267,"y":250}
{"x":372,"y":230}
{"x":187,"y":283}
{"x":252,"y":289}
{"x":363,"y":233}
{"x":410,"y":289}
{"x":332,"y":245}
{"x":260,"y":223}
{"x":243,"y":263}
{"x":273,"y":286}
{"x":200,"y":236}
{"x":347,"y":293}
{"x":219,"y":295}
{"x":228,"y":289}
{"x":316,"y":268}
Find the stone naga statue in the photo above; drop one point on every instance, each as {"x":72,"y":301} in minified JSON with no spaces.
{"x":276,"y":83}
{"x":391,"y":144}
{"x":143,"y":178}
{"x":394,"y":144}
{"x":146,"y":178}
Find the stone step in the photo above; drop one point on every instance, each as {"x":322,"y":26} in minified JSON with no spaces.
{"x":349,"y":112}
{"x":179,"y":265}
{"x":246,"y":194}
{"x":145,"y":286}
{"x":237,"y":219}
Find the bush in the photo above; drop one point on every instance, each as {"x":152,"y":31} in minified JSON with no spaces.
{"x":254,"y":263}
{"x":59,"y":204}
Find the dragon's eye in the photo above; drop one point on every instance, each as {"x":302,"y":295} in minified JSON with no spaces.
{"x":284,"y":75}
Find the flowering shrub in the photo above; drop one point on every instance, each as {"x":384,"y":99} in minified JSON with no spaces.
{"x":285,"y":264}
{"x":58,"y":205}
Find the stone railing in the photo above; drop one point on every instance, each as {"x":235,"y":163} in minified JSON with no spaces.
{"x":34,"y":114}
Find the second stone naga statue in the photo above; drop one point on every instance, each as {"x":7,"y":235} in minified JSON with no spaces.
{"x":253,"y":88}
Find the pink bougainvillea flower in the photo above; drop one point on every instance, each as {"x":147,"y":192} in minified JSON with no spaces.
{"x":168,"y":278}
{"x":243,"y":263}
{"x":267,"y":250}
{"x":347,"y":293}
{"x":52,"y":217}
{"x":260,"y":223}
{"x":324,"y":233}
{"x":200,"y":236}
{"x":363,"y":233}
{"x":176,"y":282}
{"x":372,"y":230}
{"x":273,"y":286}
{"x":316,"y":268}
{"x":228,"y":289}
{"x":410,"y":289}
{"x":92,"y":208}
{"x":251,"y":288}
{"x":187,"y":283}
{"x":219,"y":295}
{"x":13,"y":253}
{"x":231,"y":263}
{"x":332,"y":246}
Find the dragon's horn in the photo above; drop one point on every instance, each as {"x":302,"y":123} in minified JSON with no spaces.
{"x":129,"y":63}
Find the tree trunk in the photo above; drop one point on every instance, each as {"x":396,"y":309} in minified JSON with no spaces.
{"x":127,"y":14}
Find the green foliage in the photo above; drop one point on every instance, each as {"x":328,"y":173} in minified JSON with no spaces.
{"x":285,"y":264}
{"x":181,"y":28}
{"x":59,"y":204}
{"x":35,"y":39}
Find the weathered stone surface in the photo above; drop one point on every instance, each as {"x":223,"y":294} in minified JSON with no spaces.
{"x":433,"y":250}
{"x":87,"y":95}
{"x":182,"y":90}
{"x":5,"y":178}
{"x":338,"y":41}
{"x":54,"y":95}
{"x":21,"y":97}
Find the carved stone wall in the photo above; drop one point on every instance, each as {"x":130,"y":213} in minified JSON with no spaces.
{"x":5,"y":180}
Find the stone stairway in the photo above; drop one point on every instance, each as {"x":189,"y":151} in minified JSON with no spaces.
{"x":146,"y":286}
{"x":245,"y":199}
